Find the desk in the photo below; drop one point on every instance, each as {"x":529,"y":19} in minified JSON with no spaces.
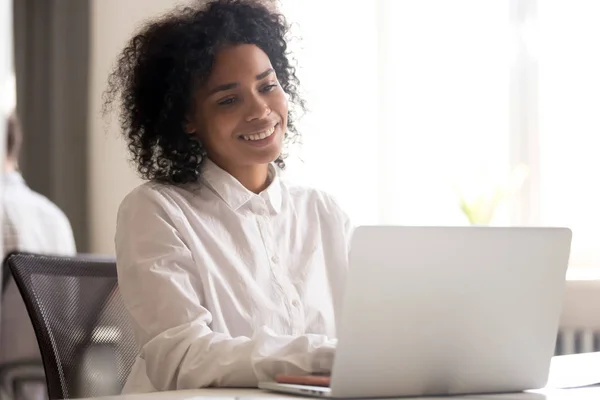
{"x":239,"y":394}
{"x":565,"y":371}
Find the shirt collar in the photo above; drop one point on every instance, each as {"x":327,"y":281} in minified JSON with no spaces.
{"x":233,"y":193}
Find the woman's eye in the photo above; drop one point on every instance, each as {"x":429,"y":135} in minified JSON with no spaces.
{"x":227,"y":102}
{"x":268,"y":88}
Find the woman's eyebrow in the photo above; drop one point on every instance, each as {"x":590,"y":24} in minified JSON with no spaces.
{"x":263,"y":75}
{"x":229,"y":86}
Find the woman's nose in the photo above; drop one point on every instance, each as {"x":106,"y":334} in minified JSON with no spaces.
{"x":259,"y":109}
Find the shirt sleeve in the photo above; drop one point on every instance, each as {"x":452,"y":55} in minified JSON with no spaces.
{"x":160,"y":286}
{"x":348,"y":229}
{"x":342,"y":217}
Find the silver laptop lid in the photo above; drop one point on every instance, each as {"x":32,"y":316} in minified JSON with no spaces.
{"x":449,"y":310}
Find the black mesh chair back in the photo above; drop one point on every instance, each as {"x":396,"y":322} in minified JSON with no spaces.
{"x":80,"y":322}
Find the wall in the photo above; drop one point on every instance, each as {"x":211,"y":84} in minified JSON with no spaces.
{"x":111,"y":177}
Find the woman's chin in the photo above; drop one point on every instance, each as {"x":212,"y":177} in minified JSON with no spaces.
{"x":266,"y":150}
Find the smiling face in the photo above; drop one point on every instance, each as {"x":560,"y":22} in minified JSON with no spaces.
{"x":240,"y":113}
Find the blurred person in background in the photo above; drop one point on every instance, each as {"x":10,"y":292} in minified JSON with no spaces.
{"x":30,"y":223}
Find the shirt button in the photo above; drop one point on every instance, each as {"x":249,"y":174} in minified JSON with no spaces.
{"x":275,"y":259}
{"x":296,"y":303}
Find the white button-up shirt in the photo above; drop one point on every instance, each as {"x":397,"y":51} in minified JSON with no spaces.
{"x":226,"y":287}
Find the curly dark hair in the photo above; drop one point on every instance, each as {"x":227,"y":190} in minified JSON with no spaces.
{"x":164,"y":63}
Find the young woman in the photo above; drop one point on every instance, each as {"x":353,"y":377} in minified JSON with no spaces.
{"x":230,"y":275}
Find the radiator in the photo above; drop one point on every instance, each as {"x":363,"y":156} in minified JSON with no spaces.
{"x":575,"y":341}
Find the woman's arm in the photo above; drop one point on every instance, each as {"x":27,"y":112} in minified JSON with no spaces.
{"x":159,"y":286}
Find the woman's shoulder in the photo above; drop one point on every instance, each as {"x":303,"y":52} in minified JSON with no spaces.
{"x":312,"y":196}
{"x":153,"y":189}
{"x":320,"y":201}
{"x":144,"y":193}
{"x":152,"y":195}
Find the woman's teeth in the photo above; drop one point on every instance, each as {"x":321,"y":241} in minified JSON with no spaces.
{"x":261,"y":135}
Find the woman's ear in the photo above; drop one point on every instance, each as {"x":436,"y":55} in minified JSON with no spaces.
{"x":189,"y":124}
{"x":189,"y":128}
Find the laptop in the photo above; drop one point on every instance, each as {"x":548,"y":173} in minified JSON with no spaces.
{"x":445,"y":311}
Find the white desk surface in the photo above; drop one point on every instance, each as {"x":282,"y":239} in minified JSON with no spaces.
{"x":566,"y":371}
{"x":592,"y":393}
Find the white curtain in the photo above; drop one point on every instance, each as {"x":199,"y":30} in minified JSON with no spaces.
{"x":412,"y":102}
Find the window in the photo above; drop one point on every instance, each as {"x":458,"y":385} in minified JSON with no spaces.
{"x":569,"y":122}
{"x":7,"y":79}
{"x":414,"y":102}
